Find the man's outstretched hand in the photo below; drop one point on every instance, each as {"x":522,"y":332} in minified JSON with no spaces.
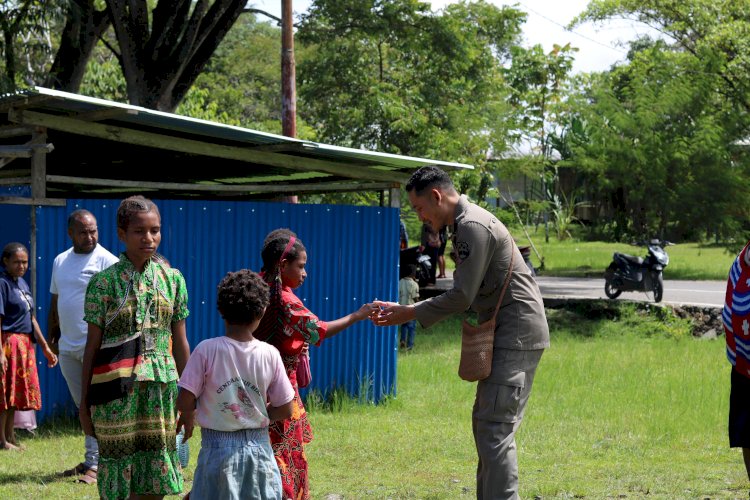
{"x":392,"y":313}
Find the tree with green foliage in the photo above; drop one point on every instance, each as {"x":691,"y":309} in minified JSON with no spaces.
{"x":163,"y":50}
{"x":162,"y":46}
{"x":85,"y":25}
{"x":659,"y":156}
{"x":243,"y":76}
{"x":26,"y":41}
{"x":538,"y":85}
{"x":393,"y":76}
{"x":715,"y":32}
{"x":103,"y":78}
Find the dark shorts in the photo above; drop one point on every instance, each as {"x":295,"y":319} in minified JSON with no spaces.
{"x":739,"y":411}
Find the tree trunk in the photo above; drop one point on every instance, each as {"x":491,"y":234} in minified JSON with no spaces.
{"x":161,"y":62}
{"x":10,"y":61}
{"x":83,"y":28}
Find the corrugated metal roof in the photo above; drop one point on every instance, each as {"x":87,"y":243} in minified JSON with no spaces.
{"x":83,"y":130}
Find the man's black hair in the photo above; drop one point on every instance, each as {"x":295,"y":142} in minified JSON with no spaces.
{"x":427,"y":178}
{"x":78,"y":215}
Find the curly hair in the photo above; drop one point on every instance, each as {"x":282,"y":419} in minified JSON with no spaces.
{"x":133,"y":205}
{"x":242,"y":297}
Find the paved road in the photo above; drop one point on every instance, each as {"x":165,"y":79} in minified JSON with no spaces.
{"x":701,"y":293}
{"x":697,"y":293}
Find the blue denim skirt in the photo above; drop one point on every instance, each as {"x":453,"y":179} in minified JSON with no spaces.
{"x":235,"y":465}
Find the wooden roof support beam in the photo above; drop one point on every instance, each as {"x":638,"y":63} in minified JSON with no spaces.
{"x":105,"y":114}
{"x":243,"y":154}
{"x":221,"y":188}
{"x":19,"y":172}
{"x":14,"y":131}
{"x":25,"y":151}
{"x":18,"y":200}
{"x":15,"y":181}
{"x":21,"y":102}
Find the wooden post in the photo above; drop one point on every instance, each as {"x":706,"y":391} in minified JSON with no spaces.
{"x":38,"y":191}
{"x":288,"y":78}
{"x":395,"y":197}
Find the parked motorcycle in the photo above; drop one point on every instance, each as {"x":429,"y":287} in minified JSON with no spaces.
{"x":412,"y":255}
{"x":628,"y":273}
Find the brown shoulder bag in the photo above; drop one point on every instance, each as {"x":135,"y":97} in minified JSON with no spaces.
{"x":478,"y":341}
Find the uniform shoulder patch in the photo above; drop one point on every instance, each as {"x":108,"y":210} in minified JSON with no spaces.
{"x":462,"y":250}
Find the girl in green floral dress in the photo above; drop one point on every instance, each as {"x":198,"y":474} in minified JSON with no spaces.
{"x":128,"y":400}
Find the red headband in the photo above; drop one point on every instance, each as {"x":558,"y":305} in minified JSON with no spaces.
{"x":289,"y":246}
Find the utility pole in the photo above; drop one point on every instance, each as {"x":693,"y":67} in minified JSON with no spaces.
{"x":288,"y":73}
{"x":288,"y":77}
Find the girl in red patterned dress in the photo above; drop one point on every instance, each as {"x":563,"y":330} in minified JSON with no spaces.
{"x":290,"y":327}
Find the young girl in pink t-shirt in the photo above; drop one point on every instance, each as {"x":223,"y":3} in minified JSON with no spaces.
{"x":234,"y":386}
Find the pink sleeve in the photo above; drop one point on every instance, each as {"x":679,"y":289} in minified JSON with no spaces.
{"x":280,"y":390}
{"x":193,"y":376}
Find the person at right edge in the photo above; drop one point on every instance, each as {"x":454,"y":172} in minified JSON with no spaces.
{"x":483,"y":248}
{"x":736,"y":318}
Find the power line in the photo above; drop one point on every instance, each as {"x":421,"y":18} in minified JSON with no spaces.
{"x":570,"y":30}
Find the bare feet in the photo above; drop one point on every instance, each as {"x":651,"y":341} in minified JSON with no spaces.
{"x":17,"y":445}
{"x":9,"y":446}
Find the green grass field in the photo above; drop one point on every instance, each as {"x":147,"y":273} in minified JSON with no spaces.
{"x":624,"y":406}
{"x":687,"y":261}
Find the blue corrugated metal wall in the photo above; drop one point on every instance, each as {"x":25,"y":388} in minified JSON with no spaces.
{"x":352,"y":259}
{"x":16,"y":219}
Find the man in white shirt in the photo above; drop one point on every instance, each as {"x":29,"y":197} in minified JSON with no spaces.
{"x":71,"y":273}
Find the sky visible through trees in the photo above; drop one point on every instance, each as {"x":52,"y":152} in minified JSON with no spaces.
{"x":600,"y":45}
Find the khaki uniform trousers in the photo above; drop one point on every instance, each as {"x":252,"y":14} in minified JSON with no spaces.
{"x":498,"y":410}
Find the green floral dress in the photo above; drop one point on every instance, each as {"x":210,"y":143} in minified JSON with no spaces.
{"x":136,"y":432}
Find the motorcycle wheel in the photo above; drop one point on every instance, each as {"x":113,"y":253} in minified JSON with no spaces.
{"x":422,"y":277}
{"x":658,"y":288}
{"x":611,"y":291}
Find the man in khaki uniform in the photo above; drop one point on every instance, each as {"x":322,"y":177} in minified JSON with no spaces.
{"x":483,"y":249}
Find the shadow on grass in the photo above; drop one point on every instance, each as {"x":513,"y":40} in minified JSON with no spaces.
{"x":59,"y":425}
{"x":33,"y":477}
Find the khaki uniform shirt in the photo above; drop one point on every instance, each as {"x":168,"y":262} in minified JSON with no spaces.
{"x":483,"y":248}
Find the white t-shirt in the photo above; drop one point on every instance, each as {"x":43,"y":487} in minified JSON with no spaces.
{"x":71,"y":273}
{"x":233,"y":381}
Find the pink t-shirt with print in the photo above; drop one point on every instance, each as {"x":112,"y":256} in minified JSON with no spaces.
{"x":233,"y":381}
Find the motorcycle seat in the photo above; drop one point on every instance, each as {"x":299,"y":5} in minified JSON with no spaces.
{"x":629,"y":258}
